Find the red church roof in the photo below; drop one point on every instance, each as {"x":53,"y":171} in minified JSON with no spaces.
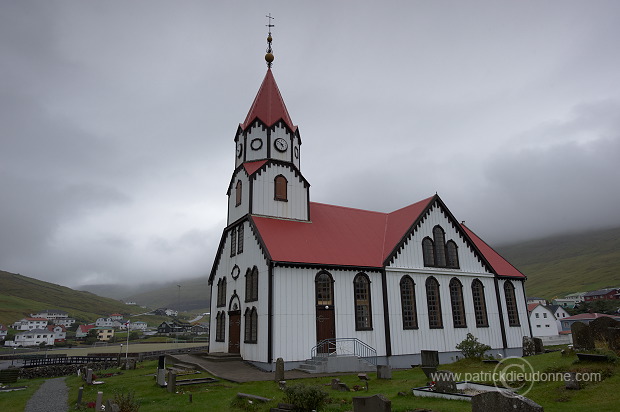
{"x":252,"y":167}
{"x":497,"y":262}
{"x":268,"y":105}
{"x":343,"y":236}
{"x":338,"y":235}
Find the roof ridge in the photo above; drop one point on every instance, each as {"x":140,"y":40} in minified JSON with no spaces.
{"x":350,"y":208}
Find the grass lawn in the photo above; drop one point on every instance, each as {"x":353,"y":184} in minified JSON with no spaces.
{"x":221,"y":396}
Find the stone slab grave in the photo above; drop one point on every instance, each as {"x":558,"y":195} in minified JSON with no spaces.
{"x":539,"y":347}
{"x":375,"y":403}
{"x":599,"y":328}
{"x":529,"y":347}
{"x":507,"y":401}
{"x":429,"y":358}
{"x":571,"y":382}
{"x":384,"y":372}
{"x":444,"y":382}
{"x":582,"y":336}
{"x":279,"y":370}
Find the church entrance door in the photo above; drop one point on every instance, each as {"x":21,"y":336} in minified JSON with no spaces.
{"x":325,"y":314}
{"x":234,"y":331}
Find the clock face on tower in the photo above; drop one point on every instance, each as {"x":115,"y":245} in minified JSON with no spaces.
{"x":280,"y":144}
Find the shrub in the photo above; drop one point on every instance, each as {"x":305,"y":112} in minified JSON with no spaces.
{"x":126,"y":402}
{"x":471,"y":348}
{"x":305,"y":398}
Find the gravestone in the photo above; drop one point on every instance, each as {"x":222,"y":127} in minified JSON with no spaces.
{"x":582,"y":337}
{"x":429,"y":357}
{"x":505,"y":401}
{"x":384,"y":372}
{"x":279,"y":370}
{"x":444,"y":382}
{"x":613,"y":338}
{"x":99,"y":401}
{"x":375,"y":403}
{"x":336,"y":383}
{"x":110,"y":406}
{"x":529,"y":347}
{"x":161,"y":377}
{"x":162,"y":362}
{"x":539,"y":347}
{"x":429,"y":370}
{"x":89,"y":376}
{"x":599,"y":327}
{"x":80,"y":394}
{"x":172,"y":382}
{"x":571,"y":382}
{"x":343,"y":387}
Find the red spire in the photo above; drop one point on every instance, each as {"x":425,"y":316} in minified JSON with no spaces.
{"x":268,"y":105}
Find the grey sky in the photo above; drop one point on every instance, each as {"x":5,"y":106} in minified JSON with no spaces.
{"x":117,"y":120}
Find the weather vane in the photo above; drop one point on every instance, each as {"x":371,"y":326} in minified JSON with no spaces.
{"x":269,"y":55}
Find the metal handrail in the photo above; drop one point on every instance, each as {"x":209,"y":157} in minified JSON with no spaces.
{"x":345,"y":346}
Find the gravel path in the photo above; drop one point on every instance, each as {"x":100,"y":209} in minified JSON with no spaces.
{"x":52,"y":396}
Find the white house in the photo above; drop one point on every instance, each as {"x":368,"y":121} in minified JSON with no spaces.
{"x":138,"y":325}
{"x":559,"y":313}
{"x":3,"y":332}
{"x":59,"y":331}
{"x":82,"y":331}
{"x":293,"y":277}
{"x":542,"y":320}
{"x":51,"y":314}
{"x":570,"y":301}
{"x":30,"y":323}
{"x":33,"y":337}
{"x":108,"y":323}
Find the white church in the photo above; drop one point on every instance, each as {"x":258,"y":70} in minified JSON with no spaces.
{"x":293,"y":278}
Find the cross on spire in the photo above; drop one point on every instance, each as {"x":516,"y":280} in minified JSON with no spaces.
{"x":269,"y":56}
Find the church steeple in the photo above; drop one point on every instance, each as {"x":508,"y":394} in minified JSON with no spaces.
{"x":267,"y":180}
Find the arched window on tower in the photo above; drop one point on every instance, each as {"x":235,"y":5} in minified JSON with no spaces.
{"x":408,"y":303}
{"x":280,"y":188}
{"x":363,"y":315}
{"x":511,"y":304}
{"x":480,"y":304}
{"x":238,"y":191}
{"x":433,"y":302}
{"x":458,"y":306}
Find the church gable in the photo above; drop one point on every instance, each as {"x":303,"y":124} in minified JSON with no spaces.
{"x":438,"y":243}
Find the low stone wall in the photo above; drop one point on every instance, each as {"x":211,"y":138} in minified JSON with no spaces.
{"x":62,"y":370}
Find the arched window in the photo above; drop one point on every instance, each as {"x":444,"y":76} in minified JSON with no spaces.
{"x":238,"y":191}
{"x":439,"y":239}
{"x":433,"y":301}
{"x":220,"y":327}
{"x":221,"y":292}
{"x":511,"y":304}
{"x":233,"y":241}
{"x":428,"y":251}
{"x":251,"y":325}
{"x":452,"y":255}
{"x":251,"y":284}
{"x":480,"y":304}
{"x":407,"y":299}
{"x":324,"y":287}
{"x":458,"y":306}
{"x":240,"y":239}
{"x":280,"y":188}
{"x":361,"y":288}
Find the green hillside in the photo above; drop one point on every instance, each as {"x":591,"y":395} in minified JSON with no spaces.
{"x":559,"y":265}
{"x":194,"y":296}
{"x":21,"y":295}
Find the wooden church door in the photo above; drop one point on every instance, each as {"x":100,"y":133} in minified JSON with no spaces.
{"x":234,"y":324}
{"x":325,"y":315}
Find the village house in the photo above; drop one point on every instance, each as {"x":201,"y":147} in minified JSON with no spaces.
{"x":30,"y":323}
{"x":569,"y":301}
{"x":59,"y":331}
{"x":292,"y":278}
{"x":108,"y":322}
{"x":104,"y":334}
{"x":602,"y":294}
{"x":33,"y":337}
{"x":559,"y":313}
{"x":174,"y":326}
{"x":583,"y":318}
{"x":534,"y":299}
{"x":542,"y":320}
{"x":3,"y":332}
{"x":82,"y":331}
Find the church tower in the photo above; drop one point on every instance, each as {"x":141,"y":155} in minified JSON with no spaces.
{"x":267,"y":180}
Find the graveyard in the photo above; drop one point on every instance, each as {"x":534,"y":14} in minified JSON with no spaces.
{"x":218,"y":394}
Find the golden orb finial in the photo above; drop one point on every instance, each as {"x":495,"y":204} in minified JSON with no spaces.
{"x":269,"y":56}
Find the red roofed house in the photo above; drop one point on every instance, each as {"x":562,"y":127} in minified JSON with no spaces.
{"x":290,"y":273}
{"x":82,"y":331}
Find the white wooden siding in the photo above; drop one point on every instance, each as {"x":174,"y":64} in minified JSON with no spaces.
{"x":263,"y":192}
{"x":294,"y":322}
{"x":235,"y":212}
{"x":410,"y":256}
{"x":250,"y":257}
{"x":514,"y":334}
{"x":446,"y":338}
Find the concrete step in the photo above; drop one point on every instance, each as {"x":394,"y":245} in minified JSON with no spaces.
{"x":221,"y":357}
